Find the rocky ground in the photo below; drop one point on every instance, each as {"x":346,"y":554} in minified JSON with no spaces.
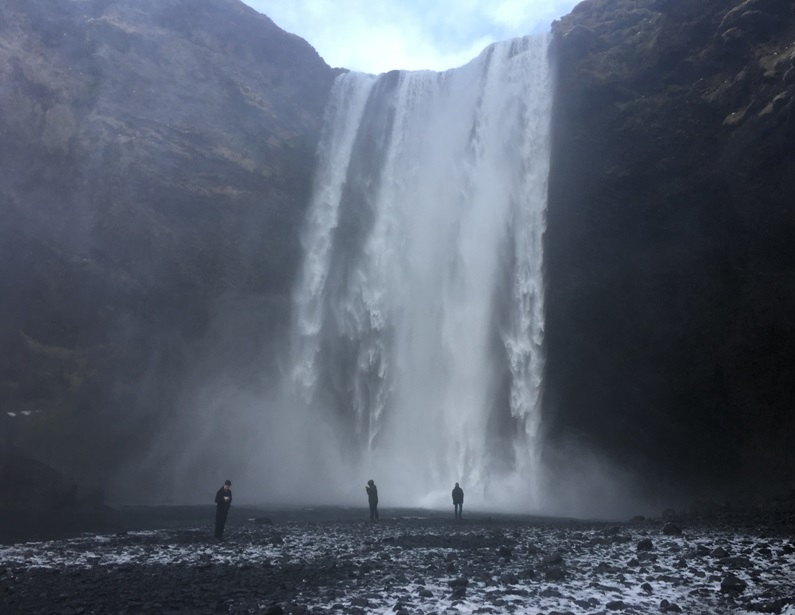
{"x":409,"y":562}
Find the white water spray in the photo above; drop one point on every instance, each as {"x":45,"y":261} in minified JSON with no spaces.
{"x":418,"y":337}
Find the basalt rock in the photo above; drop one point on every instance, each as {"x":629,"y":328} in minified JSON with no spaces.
{"x":154,"y":171}
{"x":670,"y":264}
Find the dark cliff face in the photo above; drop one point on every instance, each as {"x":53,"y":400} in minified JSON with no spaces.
{"x":155,"y":164}
{"x":671,"y":240}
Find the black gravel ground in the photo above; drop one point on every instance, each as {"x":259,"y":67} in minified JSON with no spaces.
{"x":164,"y":560}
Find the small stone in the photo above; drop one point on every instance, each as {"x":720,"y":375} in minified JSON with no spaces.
{"x":702,"y":550}
{"x":732,"y":584}
{"x":615,"y":605}
{"x":555,"y":573}
{"x":737,"y":561}
{"x":669,"y":607}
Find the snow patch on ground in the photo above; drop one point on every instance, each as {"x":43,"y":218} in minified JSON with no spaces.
{"x":407,"y":565}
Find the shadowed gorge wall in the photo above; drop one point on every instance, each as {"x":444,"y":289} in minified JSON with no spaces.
{"x":154,"y":169}
{"x":671,"y":261}
{"x":156,"y":162}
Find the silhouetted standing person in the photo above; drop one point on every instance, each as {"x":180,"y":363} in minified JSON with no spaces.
{"x":458,"y":500}
{"x":372,"y":499}
{"x":223,"y":500}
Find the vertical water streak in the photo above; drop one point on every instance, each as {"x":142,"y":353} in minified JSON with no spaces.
{"x":341,"y":123}
{"x":423,"y":246}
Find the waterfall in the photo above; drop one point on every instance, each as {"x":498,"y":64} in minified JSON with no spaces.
{"x":419,"y":311}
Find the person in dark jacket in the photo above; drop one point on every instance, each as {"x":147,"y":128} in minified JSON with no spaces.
{"x":458,"y":500}
{"x":223,"y":500}
{"x":372,"y":499}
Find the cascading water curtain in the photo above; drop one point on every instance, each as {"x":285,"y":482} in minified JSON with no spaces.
{"x":419,"y":313}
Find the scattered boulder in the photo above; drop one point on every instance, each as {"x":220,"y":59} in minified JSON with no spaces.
{"x":672,"y":529}
{"x":458,"y":593}
{"x":732,"y":584}
{"x":528,"y":573}
{"x":603,"y":567}
{"x":645,"y":544}
{"x":669,"y":607}
{"x":737,"y":561}
{"x":553,"y":559}
{"x":554,"y":573}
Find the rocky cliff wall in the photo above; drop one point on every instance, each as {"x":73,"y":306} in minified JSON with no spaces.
{"x":155,"y":162}
{"x":671,"y":240}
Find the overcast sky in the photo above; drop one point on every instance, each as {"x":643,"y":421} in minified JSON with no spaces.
{"x":376,"y":36}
